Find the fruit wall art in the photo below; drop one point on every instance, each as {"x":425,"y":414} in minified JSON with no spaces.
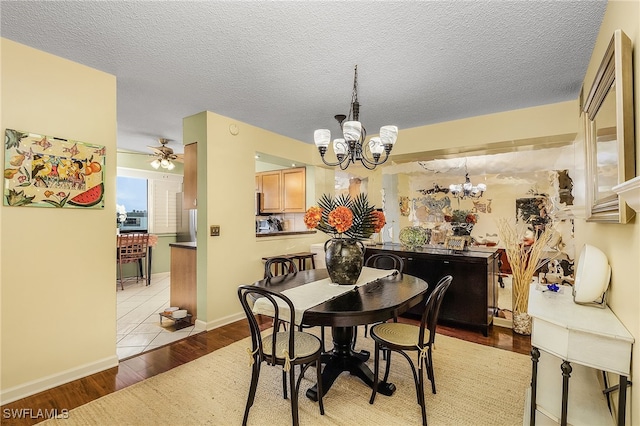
{"x":46,"y":171}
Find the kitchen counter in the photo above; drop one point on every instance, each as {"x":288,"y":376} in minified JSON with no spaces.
{"x":187,"y":245}
{"x":281,"y":233}
{"x":471,"y":252}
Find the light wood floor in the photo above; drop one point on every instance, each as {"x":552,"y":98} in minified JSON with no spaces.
{"x":140,"y":367}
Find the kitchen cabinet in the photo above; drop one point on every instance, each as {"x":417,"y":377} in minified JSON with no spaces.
{"x":283,"y":191}
{"x":190,"y":180}
{"x":183,"y":289}
{"x":472,"y":297}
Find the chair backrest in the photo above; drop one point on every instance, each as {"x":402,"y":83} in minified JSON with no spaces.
{"x":432,"y":309}
{"x":283,"y":310}
{"x":285,"y":265}
{"x":132,"y":247}
{"x":385,"y":261}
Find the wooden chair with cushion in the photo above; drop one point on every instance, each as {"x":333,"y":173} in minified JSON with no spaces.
{"x":403,"y":338}
{"x":287,"y":348}
{"x":132,"y":248}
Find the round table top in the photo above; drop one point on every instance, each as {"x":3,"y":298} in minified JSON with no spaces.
{"x":366,"y":304}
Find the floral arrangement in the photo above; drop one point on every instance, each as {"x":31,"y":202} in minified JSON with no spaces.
{"x":461,"y":216}
{"x":344,"y":216}
{"x":121,"y":214}
{"x":524,"y":253}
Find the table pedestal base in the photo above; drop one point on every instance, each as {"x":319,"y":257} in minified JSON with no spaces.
{"x":343,"y":358}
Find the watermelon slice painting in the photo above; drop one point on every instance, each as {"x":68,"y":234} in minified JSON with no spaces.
{"x":88,"y":198}
{"x":49,"y":171}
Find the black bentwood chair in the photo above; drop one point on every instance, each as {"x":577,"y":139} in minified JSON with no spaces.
{"x":287,"y":348}
{"x":384,"y":261}
{"x":286,"y":265}
{"x":401,"y":338}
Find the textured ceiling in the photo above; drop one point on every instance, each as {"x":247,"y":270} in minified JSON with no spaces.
{"x":287,"y":66}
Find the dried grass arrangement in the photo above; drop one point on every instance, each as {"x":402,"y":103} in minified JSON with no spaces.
{"x":525,"y":257}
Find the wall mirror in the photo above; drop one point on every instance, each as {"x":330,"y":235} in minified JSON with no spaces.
{"x":610,"y":153}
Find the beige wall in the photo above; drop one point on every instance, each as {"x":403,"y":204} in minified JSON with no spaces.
{"x":58,"y":271}
{"x":621,"y":243}
{"x":226,"y":184}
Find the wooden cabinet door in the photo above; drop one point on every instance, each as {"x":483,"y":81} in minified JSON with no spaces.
{"x":190,"y":180}
{"x":271,"y":192}
{"x":293,"y":190}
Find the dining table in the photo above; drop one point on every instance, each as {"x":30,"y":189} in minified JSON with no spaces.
{"x":379,"y":295}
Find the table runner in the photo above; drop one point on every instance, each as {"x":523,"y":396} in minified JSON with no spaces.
{"x":314,"y":293}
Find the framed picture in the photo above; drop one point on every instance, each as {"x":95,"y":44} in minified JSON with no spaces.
{"x":455,"y":243}
{"x":46,"y":171}
{"x":609,"y":133}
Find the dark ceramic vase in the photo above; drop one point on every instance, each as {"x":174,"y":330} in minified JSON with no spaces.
{"x":344,"y":258}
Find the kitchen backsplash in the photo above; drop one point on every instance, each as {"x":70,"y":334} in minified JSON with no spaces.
{"x":291,"y":222}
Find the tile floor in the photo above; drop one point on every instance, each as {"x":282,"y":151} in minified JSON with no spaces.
{"x":138,"y":326}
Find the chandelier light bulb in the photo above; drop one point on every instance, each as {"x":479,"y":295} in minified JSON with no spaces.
{"x":352,"y":130}
{"x":388,"y":135}
{"x":322,"y":137}
{"x":375,"y":146}
{"x":339,"y":146}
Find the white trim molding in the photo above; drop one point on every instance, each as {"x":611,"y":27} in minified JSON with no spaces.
{"x":30,"y":388}
{"x":629,"y":191}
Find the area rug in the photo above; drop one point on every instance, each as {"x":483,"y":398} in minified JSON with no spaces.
{"x":476,"y":385}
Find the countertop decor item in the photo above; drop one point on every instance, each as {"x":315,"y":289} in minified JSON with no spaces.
{"x":351,"y":147}
{"x":413,"y":236}
{"x":524,"y":253}
{"x":349,"y":221}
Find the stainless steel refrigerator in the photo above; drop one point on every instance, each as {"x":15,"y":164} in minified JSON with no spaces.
{"x":187,"y":222}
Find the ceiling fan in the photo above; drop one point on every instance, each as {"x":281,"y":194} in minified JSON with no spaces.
{"x":164,"y":155}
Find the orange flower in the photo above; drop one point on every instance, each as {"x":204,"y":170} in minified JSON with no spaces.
{"x":312,"y":217}
{"x":341,"y":219}
{"x":378,"y":220}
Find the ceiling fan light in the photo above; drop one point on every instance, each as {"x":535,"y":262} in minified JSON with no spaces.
{"x":155,"y":163}
{"x":352,"y":130}
{"x":339,"y":146}
{"x":164,"y":163}
{"x":322,"y":137}
{"x":375,"y":145}
{"x":388,"y":134}
{"x":171,"y":166}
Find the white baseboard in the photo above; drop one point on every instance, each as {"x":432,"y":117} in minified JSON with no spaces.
{"x":30,"y":388}
{"x":222,"y":321}
{"x":502,"y":322}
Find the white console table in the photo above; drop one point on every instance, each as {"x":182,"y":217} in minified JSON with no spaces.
{"x":594,"y":340}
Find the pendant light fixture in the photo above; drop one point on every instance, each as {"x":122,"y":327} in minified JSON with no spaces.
{"x":351,"y":147}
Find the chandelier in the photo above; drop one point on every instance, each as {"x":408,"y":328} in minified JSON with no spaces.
{"x":351,"y":147}
{"x":467,"y":189}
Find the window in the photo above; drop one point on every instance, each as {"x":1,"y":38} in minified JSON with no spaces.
{"x":153,"y":198}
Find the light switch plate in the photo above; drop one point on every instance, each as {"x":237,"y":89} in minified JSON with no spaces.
{"x":215,"y":230}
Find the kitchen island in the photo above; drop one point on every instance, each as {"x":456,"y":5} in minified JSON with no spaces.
{"x":471,"y":300}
